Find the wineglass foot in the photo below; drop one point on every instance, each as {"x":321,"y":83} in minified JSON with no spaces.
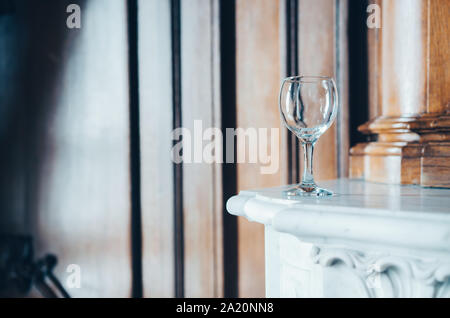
{"x":306,"y":191}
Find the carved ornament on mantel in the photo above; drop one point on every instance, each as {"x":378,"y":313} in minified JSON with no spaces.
{"x":385,"y":275}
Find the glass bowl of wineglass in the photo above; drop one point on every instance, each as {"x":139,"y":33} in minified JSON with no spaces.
{"x":308,"y":107}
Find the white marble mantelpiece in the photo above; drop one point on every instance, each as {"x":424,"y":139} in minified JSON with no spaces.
{"x":370,"y":240}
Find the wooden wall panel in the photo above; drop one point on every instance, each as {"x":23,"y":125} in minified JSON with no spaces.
{"x":78,"y":183}
{"x":438,"y":57}
{"x":157,"y":195}
{"x":341,"y":71}
{"x":374,"y":67}
{"x":202,"y":192}
{"x":317,"y":56}
{"x":262,"y":36}
{"x":258,"y":84}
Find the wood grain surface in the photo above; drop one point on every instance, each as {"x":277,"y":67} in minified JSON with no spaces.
{"x":75,"y":107}
{"x":412,"y":117}
{"x":157,"y":179}
{"x":258,"y":82}
{"x":317,"y":56}
{"x":202,"y":182}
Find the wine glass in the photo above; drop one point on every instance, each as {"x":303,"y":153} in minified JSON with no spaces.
{"x":308,"y":107}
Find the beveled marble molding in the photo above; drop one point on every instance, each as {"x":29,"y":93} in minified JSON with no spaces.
{"x":409,"y":97}
{"x":370,"y":240}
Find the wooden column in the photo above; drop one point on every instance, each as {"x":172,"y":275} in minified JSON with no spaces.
{"x":411,"y":124}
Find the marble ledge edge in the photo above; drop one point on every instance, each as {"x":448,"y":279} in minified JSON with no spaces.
{"x":324,"y":225}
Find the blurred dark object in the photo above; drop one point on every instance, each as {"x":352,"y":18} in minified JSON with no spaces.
{"x":16,"y":256}
{"x":7,"y":7}
{"x":18,"y":272}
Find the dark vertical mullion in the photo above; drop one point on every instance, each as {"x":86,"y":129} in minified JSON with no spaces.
{"x":135,"y":151}
{"x":292,"y":69}
{"x":178,"y":168}
{"x":358,"y":69}
{"x":229,"y":172}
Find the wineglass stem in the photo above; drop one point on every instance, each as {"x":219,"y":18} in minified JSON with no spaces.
{"x":307,"y":178}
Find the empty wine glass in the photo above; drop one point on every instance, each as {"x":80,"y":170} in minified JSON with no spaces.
{"x":308,"y":107}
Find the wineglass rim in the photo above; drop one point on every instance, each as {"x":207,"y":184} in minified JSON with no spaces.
{"x":306,"y":79}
